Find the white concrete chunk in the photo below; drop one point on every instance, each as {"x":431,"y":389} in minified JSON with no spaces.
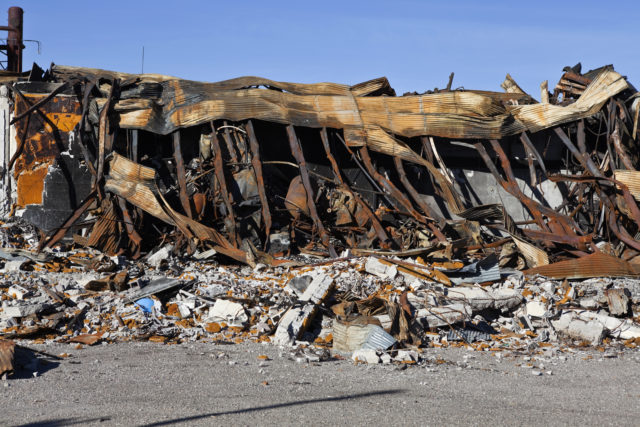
{"x":318,"y":289}
{"x":366,"y":356}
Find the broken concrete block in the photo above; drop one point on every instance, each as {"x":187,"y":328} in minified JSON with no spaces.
{"x":406,"y":356}
{"x":618,"y":301}
{"x":293,"y":324}
{"x":570,"y":324}
{"x":184,"y":310}
{"x":366,"y":356}
{"x":435,"y":317}
{"x":13,"y":265}
{"x":616,"y":328}
{"x":18,"y":292}
{"x":385,"y":358}
{"x":230,"y":312}
{"x":589,"y":303}
{"x":299,"y":284}
{"x":378,"y":268}
{"x":536,"y":308}
{"x":350,"y":337}
{"x":318,"y":289}
{"x":156,"y":258}
{"x":23,"y":310}
{"x":480,"y":298}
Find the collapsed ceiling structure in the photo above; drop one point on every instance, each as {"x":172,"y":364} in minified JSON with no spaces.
{"x":256,"y":169}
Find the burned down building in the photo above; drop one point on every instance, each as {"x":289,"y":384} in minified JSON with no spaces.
{"x":257,"y":169}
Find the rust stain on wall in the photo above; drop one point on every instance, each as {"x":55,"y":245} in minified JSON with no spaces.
{"x":30,"y":185}
{"x":45,"y":140}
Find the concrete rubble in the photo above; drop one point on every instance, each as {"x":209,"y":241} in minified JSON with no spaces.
{"x":345,"y":306}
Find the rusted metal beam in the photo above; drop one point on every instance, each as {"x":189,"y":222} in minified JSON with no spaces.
{"x":558,"y":223}
{"x":375,"y":222}
{"x":218,"y":165}
{"x":180,"y":172}
{"x":388,"y":185}
{"x":60,"y":232}
{"x":135,"y":238}
{"x":105,"y":137}
{"x":230,"y":145}
{"x":296,"y":150}
{"x":257,"y":169}
{"x":617,"y":144}
{"x":441,"y":184}
{"x":416,"y":198}
{"x":21,"y":140}
{"x":583,"y":158}
{"x":40,"y":103}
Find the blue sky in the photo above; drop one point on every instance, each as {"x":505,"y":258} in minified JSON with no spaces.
{"x":416,"y":44}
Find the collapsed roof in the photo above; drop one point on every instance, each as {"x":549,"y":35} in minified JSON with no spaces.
{"x":256,"y":169}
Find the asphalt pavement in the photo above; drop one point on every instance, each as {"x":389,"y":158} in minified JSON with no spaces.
{"x":210,"y":384}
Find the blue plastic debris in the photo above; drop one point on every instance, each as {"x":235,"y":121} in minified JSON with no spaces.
{"x":145,"y":304}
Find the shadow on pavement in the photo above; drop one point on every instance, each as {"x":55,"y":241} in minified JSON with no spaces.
{"x":65,"y":422}
{"x":27,"y":361}
{"x":275,"y":406}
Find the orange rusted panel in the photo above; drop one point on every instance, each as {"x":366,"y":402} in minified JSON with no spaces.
{"x":43,"y":143}
{"x":30,"y":184}
{"x":64,"y":122}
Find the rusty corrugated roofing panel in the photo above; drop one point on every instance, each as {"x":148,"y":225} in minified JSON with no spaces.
{"x":594,"y":265}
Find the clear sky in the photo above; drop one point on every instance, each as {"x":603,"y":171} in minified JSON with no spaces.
{"x":416,"y":44}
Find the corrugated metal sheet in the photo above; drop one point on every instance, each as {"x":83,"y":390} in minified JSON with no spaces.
{"x":594,"y":265}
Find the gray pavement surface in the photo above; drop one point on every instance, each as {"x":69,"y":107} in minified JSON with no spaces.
{"x":206,"y":384}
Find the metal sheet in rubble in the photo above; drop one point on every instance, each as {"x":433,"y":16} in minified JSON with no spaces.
{"x":485,"y":270}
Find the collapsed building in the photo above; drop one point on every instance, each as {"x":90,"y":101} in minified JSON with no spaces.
{"x":455,"y":188}
{"x":255,"y":168}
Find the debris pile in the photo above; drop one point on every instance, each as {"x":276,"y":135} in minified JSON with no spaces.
{"x":375,"y":309}
{"x":343,"y":216}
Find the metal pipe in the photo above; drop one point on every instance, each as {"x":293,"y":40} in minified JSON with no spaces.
{"x":14,"y":40}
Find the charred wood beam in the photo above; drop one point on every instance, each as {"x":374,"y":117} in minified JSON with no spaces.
{"x":533,"y":177}
{"x":180,"y":172}
{"x":296,"y":150}
{"x":257,"y":170}
{"x":220,"y":176}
